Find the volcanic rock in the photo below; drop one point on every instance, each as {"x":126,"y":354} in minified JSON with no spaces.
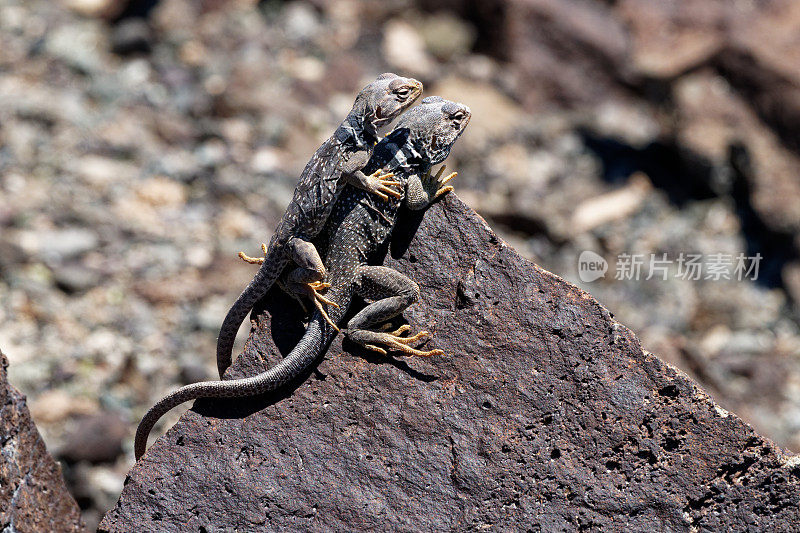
{"x":544,"y":414}
{"x":33,"y":496}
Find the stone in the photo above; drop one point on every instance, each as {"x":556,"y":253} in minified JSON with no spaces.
{"x":544,"y":412}
{"x":404,"y":49}
{"x":105,"y":9}
{"x":78,"y":45}
{"x":670,"y":38}
{"x":712,"y":118}
{"x":612,"y":206}
{"x":59,"y":244}
{"x":95,"y":439}
{"x":33,"y":496}
{"x":572,"y":53}
{"x":75,"y":278}
{"x":132,"y":36}
{"x":56,"y":404}
{"x":447,"y":36}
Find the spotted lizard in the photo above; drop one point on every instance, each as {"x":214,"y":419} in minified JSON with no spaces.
{"x":339,"y":161}
{"x":357,"y":229}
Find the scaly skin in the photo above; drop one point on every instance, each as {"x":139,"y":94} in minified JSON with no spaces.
{"x":337,"y":162}
{"x":355,"y":231}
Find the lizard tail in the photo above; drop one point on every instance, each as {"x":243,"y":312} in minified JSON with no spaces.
{"x":258,"y":287}
{"x":314,"y":342}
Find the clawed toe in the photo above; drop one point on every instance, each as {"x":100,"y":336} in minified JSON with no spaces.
{"x":319,"y":300}
{"x":375,"y":348}
{"x":443,"y":190}
{"x":383,"y":185}
{"x":396,"y":333}
{"x":395,"y":343}
{"x":254,"y":260}
{"x":448,"y":178}
{"x":413,"y":338}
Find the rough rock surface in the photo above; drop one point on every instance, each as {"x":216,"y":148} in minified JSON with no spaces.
{"x":33,"y":496}
{"x":544,"y":413}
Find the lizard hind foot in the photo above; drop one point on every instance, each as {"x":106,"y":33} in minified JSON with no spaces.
{"x":254,"y":260}
{"x":384,"y":341}
{"x":318,"y":300}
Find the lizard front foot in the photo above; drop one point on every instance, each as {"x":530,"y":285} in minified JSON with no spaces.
{"x":435,"y":185}
{"x":380,"y":185}
{"x":392,"y":341}
{"x":254,"y":260}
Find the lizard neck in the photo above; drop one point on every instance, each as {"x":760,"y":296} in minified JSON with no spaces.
{"x":399,"y":152}
{"x":357,"y":130}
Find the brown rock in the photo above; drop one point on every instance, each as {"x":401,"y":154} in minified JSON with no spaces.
{"x":544,"y":413}
{"x":774,"y":95}
{"x":670,"y":38}
{"x":96,"y":439}
{"x":568,"y":52}
{"x":712,"y":117}
{"x":33,"y":496}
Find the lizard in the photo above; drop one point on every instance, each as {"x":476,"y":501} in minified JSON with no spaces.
{"x":356,"y":230}
{"x":337,"y":162}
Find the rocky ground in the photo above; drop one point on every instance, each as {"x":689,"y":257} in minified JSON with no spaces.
{"x":141,"y":147}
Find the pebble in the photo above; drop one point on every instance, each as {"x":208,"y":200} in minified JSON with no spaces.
{"x":60,"y":244}
{"x":75,"y":278}
{"x":131,"y":36}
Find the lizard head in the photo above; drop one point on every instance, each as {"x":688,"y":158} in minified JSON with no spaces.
{"x":434,"y":126}
{"x":386,"y":97}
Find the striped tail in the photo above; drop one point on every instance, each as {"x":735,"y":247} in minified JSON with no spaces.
{"x":312,"y":345}
{"x":257,"y":288}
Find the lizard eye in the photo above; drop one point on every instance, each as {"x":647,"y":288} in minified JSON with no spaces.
{"x":402,"y":91}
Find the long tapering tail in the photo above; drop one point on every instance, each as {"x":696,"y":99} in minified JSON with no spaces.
{"x":273,"y":265}
{"x":312,"y":345}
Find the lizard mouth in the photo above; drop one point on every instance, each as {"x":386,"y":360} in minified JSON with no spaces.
{"x":380,"y":118}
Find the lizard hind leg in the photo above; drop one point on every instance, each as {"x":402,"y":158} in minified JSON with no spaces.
{"x":391,"y":293}
{"x":306,"y":281}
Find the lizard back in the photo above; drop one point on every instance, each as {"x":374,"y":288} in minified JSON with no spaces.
{"x":315,"y":193}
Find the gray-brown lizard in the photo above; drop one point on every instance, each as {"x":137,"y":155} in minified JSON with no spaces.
{"x":355,"y":231}
{"x":337,"y":162}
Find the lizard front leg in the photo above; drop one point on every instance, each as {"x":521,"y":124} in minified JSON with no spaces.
{"x":377,"y":183}
{"x":308,"y":278}
{"x":392,"y":292}
{"x":422,"y":191}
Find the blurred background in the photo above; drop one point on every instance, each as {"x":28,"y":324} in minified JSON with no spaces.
{"x":144,"y":143}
